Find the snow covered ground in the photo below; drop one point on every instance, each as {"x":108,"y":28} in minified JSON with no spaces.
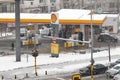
{"x":9,"y":63}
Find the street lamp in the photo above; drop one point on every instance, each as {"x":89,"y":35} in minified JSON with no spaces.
{"x":17,"y":24}
{"x":92,"y":60}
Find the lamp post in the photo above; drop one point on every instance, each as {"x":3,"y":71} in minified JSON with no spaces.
{"x":92,"y":60}
{"x":17,"y":24}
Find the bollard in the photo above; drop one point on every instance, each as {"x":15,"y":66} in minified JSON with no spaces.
{"x":2,"y":77}
{"x":26,"y":75}
{"x":45,"y":72}
{"x":36,"y":74}
{"x":15,"y":77}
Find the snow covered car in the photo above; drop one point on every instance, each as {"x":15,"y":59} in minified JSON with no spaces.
{"x":113,"y":71}
{"x":117,"y":77}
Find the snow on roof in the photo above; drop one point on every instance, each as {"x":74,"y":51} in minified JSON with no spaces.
{"x":109,"y":15}
{"x":94,"y":17}
{"x":66,"y":16}
{"x":25,"y":16}
{"x":72,"y":13}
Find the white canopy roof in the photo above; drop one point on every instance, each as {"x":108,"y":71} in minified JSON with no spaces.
{"x":66,"y":16}
{"x":72,"y":13}
{"x":25,"y":16}
{"x":94,"y":17}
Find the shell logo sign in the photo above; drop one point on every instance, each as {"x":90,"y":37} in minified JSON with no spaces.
{"x":54,"y":18}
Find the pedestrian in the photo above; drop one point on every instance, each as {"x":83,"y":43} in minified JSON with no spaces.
{"x":12,"y":45}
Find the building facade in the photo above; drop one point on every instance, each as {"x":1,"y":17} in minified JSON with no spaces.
{"x":47,"y":6}
{"x":7,"y":6}
{"x":40,"y":6}
{"x":110,"y":6}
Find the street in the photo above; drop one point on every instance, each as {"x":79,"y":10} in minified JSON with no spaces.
{"x":69,"y":77}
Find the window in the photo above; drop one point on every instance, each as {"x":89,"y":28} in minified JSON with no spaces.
{"x":31,"y":3}
{"x":28,"y":0}
{"x":52,"y":0}
{"x":0,"y":7}
{"x":66,"y":0}
{"x":111,"y":5}
{"x":53,"y":9}
{"x":66,"y":5}
{"x":44,"y":9}
{"x":22,"y":1}
{"x":4,"y":8}
{"x":98,"y":6}
{"x":40,"y":1}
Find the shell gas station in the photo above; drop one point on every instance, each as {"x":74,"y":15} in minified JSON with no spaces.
{"x":69,"y":24}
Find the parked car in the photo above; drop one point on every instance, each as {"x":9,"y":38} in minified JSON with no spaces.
{"x":115,"y":63}
{"x":98,"y":69}
{"x":107,"y":37}
{"x":117,"y":76}
{"x":113,"y":71}
{"x":95,"y":50}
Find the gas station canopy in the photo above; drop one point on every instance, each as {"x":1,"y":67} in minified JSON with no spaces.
{"x":66,"y":16}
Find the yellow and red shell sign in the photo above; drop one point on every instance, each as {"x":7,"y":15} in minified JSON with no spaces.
{"x":54,"y":18}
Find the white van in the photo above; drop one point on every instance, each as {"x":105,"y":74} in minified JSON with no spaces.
{"x":44,"y":30}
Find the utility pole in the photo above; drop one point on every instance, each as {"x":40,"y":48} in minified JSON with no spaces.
{"x":17,"y":25}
